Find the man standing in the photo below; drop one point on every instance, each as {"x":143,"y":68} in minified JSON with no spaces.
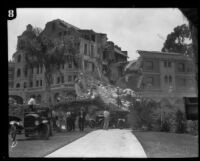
{"x":106,"y":114}
{"x":31,"y":103}
{"x":81,"y":121}
{"x":73,"y":119}
{"x":68,"y":121}
{"x":54,"y":118}
{"x":13,"y":132}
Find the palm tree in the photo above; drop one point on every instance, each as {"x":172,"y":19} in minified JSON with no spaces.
{"x":50,"y":53}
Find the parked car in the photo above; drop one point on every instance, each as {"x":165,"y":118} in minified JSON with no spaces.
{"x":121,"y":119}
{"x":38,"y":122}
{"x":99,"y":121}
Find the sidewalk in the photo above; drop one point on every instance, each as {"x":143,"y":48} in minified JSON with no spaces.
{"x":103,"y":143}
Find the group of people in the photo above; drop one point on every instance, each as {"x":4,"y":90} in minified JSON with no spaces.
{"x":70,"y":118}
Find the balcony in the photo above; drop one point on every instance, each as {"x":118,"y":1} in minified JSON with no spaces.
{"x":61,"y":86}
{"x":35,"y":89}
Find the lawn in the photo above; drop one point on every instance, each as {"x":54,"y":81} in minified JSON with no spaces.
{"x":35,"y":147}
{"x":168,"y":145}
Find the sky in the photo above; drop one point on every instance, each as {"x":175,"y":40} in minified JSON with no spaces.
{"x":130,"y":28}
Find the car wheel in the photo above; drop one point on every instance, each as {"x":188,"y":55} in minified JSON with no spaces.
{"x":92,"y":124}
{"x":51,"y":128}
{"x":26,"y":135}
{"x":45,"y":132}
{"x":101,"y":124}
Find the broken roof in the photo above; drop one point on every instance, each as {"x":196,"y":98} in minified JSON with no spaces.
{"x":66,"y":24}
{"x":130,"y":63}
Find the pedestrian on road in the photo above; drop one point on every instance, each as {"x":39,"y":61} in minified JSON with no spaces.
{"x":54,"y":118}
{"x":73,"y":119}
{"x":81,"y":121}
{"x":68,"y":121}
{"x":106,"y":114}
{"x":13,"y":133}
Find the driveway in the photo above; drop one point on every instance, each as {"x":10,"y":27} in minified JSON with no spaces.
{"x":103,"y":143}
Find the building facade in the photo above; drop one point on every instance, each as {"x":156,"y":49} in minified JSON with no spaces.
{"x":167,"y":75}
{"x":25,"y":82}
{"x":167,"y":78}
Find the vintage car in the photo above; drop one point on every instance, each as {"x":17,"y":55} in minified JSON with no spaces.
{"x":38,"y":122}
{"x":121,"y":119}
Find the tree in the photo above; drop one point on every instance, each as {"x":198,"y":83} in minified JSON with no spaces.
{"x":50,"y":53}
{"x":179,"y":41}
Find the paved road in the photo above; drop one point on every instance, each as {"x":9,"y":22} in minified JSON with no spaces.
{"x":103,"y":143}
{"x":37,"y":147}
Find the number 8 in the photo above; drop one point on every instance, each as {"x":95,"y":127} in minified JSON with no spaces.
{"x":10,"y":13}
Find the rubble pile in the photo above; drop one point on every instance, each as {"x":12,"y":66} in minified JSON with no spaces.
{"x":111,"y":95}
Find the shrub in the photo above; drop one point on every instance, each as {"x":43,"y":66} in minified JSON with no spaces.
{"x":144,"y":112}
{"x":180,"y":122}
{"x":165,"y":126}
{"x":192,"y":127}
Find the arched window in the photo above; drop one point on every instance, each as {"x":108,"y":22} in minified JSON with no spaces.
{"x":18,"y":72}
{"x":85,"y":49}
{"x":148,"y":65}
{"x":56,"y":96}
{"x":75,"y":77}
{"x":70,"y":65}
{"x":62,"y":79}
{"x":25,"y":72}
{"x":69,"y":78}
{"x":38,"y":69}
{"x":19,"y":59}
{"x":31,"y":84}
{"x":181,"y":67}
{"x":170,"y":79}
{"x":41,"y":69}
{"x":165,"y":63}
{"x":58,"y":80}
{"x":18,"y":85}
{"x":37,"y":83}
{"x":32,"y":70}
{"x":166,"y":79}
{"x":24,"y":84}
{"x":169,"y":64}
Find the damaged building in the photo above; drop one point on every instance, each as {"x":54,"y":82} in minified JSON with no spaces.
{"x":96,"y":56}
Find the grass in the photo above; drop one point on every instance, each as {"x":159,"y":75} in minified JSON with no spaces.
{"x":168,"y":145}
{"x":34,"y":147}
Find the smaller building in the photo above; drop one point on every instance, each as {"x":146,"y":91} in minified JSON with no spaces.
{"x":167,"y":74}
{"x":168,"y":78}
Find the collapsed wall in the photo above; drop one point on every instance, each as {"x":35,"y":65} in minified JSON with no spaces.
{"x":114,"y":97}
